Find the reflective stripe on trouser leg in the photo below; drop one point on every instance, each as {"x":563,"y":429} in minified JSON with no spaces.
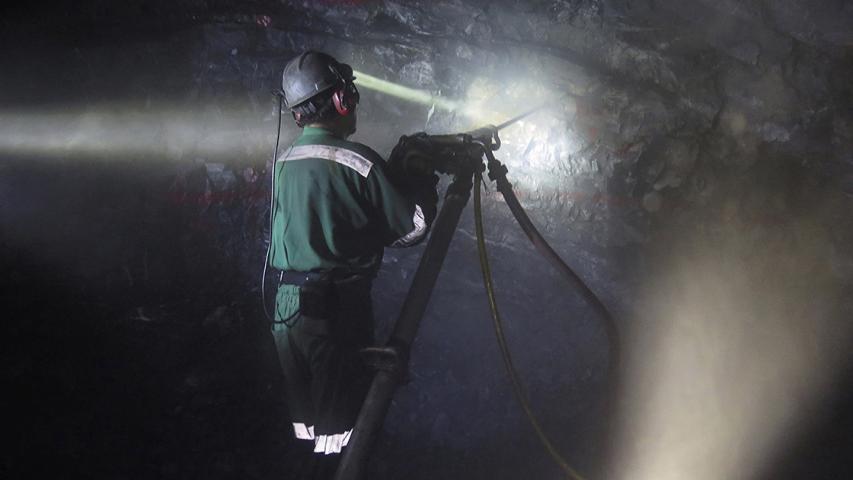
{"x":327,"y":444}
{"x":325,"y":377}
{"x":303,"y":432}
{"x":339,"y":384}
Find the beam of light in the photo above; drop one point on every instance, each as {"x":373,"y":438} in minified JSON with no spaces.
{"x":542,"y":150}
{"x":129,"y":129}
{"x":744,"y":339}
{"x":218,"y":129}
{"x":483,"y":104}
{"x":423,"y":97}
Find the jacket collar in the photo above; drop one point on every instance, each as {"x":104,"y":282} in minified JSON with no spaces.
{"x":318,"y":131}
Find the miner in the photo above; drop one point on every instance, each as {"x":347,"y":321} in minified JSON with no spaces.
{"x":336,"y":205}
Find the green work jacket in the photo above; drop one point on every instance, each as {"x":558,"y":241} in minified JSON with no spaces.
{"x":334,"y":208}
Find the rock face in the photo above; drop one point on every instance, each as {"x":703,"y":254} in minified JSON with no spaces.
{"x":135,"y":140}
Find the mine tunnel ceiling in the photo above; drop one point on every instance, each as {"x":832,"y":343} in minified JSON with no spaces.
{"x":691,"y":84}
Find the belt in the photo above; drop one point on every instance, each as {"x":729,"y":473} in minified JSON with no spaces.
{"x":340,"y":278}
{"x":323,"y":293}
{"x":299,"y":279}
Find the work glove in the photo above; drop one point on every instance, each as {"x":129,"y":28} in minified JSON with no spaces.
{"x":413,"y":155}
{"x":411,"y":168}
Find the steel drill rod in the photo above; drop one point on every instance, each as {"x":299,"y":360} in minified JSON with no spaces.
{"x":544,"y":105}
{"x":378,"y":398}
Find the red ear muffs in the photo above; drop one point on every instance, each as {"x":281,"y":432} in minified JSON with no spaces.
{"x":345,"y":99}
{"x":339,"y":98}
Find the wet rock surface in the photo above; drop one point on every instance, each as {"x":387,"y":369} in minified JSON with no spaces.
{"x":138,"y":347}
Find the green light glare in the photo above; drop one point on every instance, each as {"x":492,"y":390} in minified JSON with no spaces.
{"x":424,"y":97}
{"x":472,"y":110}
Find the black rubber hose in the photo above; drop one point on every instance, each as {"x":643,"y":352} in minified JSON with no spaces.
{"x":502,"y":343}
{"x":497,"y":172}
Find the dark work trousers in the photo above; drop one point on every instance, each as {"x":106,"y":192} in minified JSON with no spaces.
{"x":326,"y":380}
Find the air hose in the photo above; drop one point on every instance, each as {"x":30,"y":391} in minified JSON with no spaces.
{"x":507,"y":358}
{"x":497,"y":172}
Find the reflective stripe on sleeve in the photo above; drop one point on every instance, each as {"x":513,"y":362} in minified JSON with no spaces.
{"x":343,"y":156}
{"x":417,"y":233}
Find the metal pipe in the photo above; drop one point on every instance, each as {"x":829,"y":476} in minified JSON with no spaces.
{"x":385,"y":382}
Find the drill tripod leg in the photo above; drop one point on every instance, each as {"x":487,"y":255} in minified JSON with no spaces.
{"x":386,"y":381}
